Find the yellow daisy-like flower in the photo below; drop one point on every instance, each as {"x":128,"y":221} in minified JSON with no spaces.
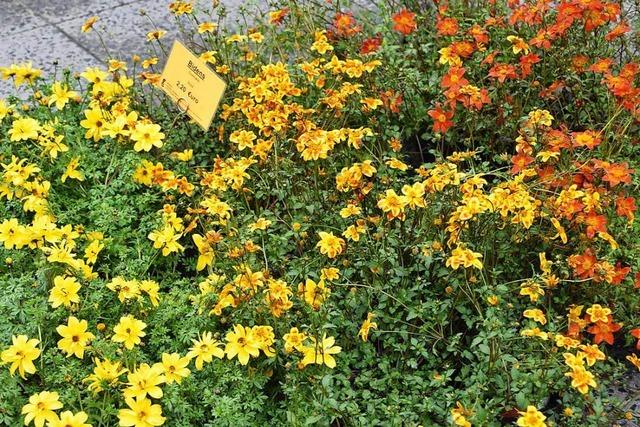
{"x":21,"y":354}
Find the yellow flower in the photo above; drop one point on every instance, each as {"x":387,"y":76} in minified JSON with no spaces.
{"x":92,"y":250}
{"x":151,"y":288}
{"x":155,"y":35}
{"x":535,"y":332}
{"x":531,"y":418}
{"x":244,"y":139}
{"x":353,"y":233}
{"x":518,"y":45}
{"x":241,"y":343}
{"x":105,"y":372}
{"x":205,"y":252}
{"x":449,"y":57}
{"x":95,"y":124}
{"x":115,"y":65}
{"x":532,"y":290}
{"x":167,"y":240}
{"x":183,"y":156}
{"x":88,"y":24}
{"x":592,"y":353}
{"x":330,"y":273}
{"x":21,"y":354}
{"x":264,"y":337}
{"x":414,"y":195}
{"x":371,"y":104}
{"x":24,"y":129}
{"x":4,"y":109}
{"x":535,"y":314}
{"x":321,"y":44}
{"x":146,"y":136}
{"x":581,"y":379}
{"x":315,"y":294}
{"x":459,"y":414}
{"x":392,"y":203}
{"x":493,"y":300}
{"x":209,"y":56}
{"x":329,"y":244}
{"x":598,"y":313}
{"x":256,"y":37}
{"x":635,"y":361}
{"x":64,"y":292}
{"x":72,"y":171}
{"x":26,"y":73}
{"x":94,"y":75}
{"x":69,"y":419}
{"x":60,"y":95}
{"x":207,"y":27}
{"x":321,"y":353}
{"x":260,"y":224}
{"x":129,"y":331}
{"x":75,"y":337}
{"x":12,"y":234}
{"x":294,"y":340}
{"x":560,"y":229}
{"x":367,"y":325}
{"x":175,"y":367}
{"x":141,"y":413}
{"x":398,"y":164}
{"x":145,"y":380}
{"x":41,"y":408}
{"x":126,"y":289}
{"x":204,"y":349}
{"x":464,"y":257}
{"x":350,"y":210}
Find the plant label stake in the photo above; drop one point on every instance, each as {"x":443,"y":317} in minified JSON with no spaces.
{"x":192,"y":85}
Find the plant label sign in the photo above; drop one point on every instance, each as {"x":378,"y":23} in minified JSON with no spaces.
{"x":192,"y":85}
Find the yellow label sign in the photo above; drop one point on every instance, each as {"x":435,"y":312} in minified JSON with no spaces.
{"x":192,"y":85}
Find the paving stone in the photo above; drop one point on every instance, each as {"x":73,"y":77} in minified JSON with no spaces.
{"x":43,"y":48}
{"x":124,"y":28}
{"x":63,"y":10}
{"x":16,"y":18}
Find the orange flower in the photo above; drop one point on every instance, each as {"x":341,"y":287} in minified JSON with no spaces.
{"x":404,"y":22}
{"x":589,"y":138}
{"x":618,"y":173}
{"x":392,"y":100}
{"x":463,"y":49}
{"x":441,"y":119}
{"x":371,"y":45}
{"x":603,"y":331}
{"x":583,"y":265}
{"x":345,"y":25}
{"x":453,"y":78}
{"x":601,"y":65}
{"x":527,"y":62}
{"x":447,"y":26}
{"x":595,"y":223}
{"x":626,"y":206}
{"x":636,"y":334}
{"x":502,"y":72}
{"x":479,"y":34}
{"x":520,"y":162}
{"x":277,"y":16}
{"x":619,"y":273}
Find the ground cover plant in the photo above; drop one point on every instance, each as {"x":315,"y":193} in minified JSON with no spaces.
{"x":411,"y":214}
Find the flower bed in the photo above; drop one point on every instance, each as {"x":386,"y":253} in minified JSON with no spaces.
{"x":411,"y":215}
